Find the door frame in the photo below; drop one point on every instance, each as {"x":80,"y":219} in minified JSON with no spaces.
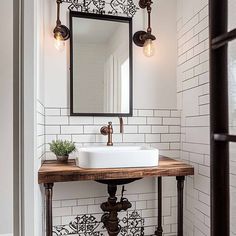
{"x":219,"y":117}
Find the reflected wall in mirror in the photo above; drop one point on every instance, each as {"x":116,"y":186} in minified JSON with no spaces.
{"x":101,"y":65}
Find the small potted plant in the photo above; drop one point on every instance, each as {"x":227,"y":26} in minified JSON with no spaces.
{"x":62,"y":149}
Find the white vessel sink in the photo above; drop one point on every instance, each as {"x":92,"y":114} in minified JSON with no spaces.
{"x":117,"y":157}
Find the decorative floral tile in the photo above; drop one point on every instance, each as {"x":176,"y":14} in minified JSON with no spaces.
{"x":132,"y":224}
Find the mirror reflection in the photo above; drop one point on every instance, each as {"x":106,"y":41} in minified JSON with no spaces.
{"x":101,"y":64}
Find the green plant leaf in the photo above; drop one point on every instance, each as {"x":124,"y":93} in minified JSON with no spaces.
{"x":62,"y":148}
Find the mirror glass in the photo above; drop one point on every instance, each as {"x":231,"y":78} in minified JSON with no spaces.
{"x":101,"y":65}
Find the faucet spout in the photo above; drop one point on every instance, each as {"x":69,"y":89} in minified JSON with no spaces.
{"x":121,"y":125}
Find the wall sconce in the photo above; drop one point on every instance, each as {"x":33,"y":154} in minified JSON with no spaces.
{"x":61,"y":32}
{"x":142,"y":38}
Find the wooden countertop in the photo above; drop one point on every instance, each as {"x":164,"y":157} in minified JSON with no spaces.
{"x":53,"y":171}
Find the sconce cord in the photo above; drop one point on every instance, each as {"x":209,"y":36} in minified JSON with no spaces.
{"x":58,"y":12}
{"x":149,"y":10}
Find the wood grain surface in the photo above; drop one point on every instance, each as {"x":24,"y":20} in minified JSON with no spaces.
{"x":53,"y":171}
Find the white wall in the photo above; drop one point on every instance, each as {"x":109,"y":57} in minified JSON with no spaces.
{"x":6,"y":117}
{"x":155,"y":77}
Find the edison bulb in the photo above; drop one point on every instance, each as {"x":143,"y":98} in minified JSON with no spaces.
{"x":148,"y":48}
{"x":59,"y":42}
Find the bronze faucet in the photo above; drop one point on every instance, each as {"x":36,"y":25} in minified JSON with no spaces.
{"x":108,"y":130}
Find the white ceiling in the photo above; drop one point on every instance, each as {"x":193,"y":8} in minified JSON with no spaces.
{"x":94,"y":31}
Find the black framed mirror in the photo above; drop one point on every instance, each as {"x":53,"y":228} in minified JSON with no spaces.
{"x":101,"y":65}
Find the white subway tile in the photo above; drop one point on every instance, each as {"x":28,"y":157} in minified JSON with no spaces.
{"x":160,"y":129}
{"x":144,"y":129}
{"x":201,"y":68}
{"x":175,"y":113}
{"x":79,"y":210}
{"x":204,"y":78}
{"x":56,"y":203}
{"x":175,"y":146}
{"x":66,"y":219}
{"x":40,"y":130}
{"x":203,"y":100}
{"x":40,"y":118}
{"x":104,"y":120}
{"x":196,"y":148}
{"x":51,"y":129}
{"x":50,"y":138}
{"x":88,"y":201}
{"x":65,"y":111}
{"x":170,"y":137}
{"x":149,"y":213}
{"x":134,"y":138}
{"x":83,"y":138}
{"x":152,"y":138}
{"x":203,"y":24}
{"x":40,"y":107}
{"x":199,"y":48}
{"x":68,"y":203}
{"x":161,"y":146}
{"x":71,"y":129}
{"x":147,"y":196}
{"x":145,"y":112}
{"x":203,"y":13}
{"x":57,"y":221}
{"x":196,"y":158}
{"x":162,"y":113}
{"x":204,"y":56}
{"x":130,"y":129}
{"x":137,"y":120}
{"x":135,"y":112}
{"x":141,"y":205}
{"x":174,"y":129}
{"x":171,"y":121}
{"x":62,"y":211}
{"x":56,"y":120}
{"x":52,"y":112}
{"x":204,"y":109}
{"x":64,"y":137}
{"x":191,"y":83}
{"x":204,"y":170}
{"x":116,"y":138}
{"x":154,"y":121}
{"x":94,"y":209}
{"x":92,"y":129}
{"x":80,"y":120}
{"x":198,"y":121}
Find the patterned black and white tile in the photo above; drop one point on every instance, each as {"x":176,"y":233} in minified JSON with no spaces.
{"x":131,"y":223}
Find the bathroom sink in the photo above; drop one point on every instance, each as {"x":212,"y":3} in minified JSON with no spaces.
{"x":117,"y":157}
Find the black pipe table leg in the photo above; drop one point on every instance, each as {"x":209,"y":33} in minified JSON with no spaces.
{"x":159,"y":230}
{"x":48,"y":195}
{"x":180,"y":188}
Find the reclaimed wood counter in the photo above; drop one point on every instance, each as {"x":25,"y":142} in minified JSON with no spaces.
{"x":53,"y":171}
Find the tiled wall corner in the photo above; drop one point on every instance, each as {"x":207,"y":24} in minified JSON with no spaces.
{"x":193,"y":100}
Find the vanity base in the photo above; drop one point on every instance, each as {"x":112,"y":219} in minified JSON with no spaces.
{"x":52,"y":171}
